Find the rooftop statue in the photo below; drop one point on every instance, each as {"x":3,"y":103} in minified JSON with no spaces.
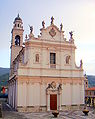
{"x":71,"y":34}
{"x":43,"y":24}
{"x":61,"y":27}
{"x":31,"y":29}
{"x":52,"y":19}
{"x":81,"y":63}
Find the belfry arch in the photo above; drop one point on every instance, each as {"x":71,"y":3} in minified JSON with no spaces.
{"x":17,"y":40}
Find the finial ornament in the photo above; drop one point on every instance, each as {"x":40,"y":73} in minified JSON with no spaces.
{"x":31,"y":29}
{"x":61,"y":27}
{"x":43,"y":24}
{"x":52,"y":20}
{"x":18,"y":15}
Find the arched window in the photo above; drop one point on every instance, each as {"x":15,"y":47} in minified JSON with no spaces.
{"x":37,"y":58}
{"x":68,"y":59}
{"x":18,"y":25}
{"x":17,"y":40}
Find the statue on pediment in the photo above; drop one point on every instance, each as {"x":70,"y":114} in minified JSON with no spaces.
{"x":31,"y":29}
{"x":43,"y":24}
{"x":81,"y":63}
{"x":71,"y":34}
{"x":52,"y":20}
{"x":68,"y":59}
{"x":61,"y":27}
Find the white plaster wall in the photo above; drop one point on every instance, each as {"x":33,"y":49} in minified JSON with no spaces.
{"x":45,"y":35}
{"x":49,"y":72}
{"x":31,"y":94}
{"x":45,"y":58}
{"x":72,"y":94}
{"x":82,"y":93}
{"x":21,"y":94}
{"x":76,"y":94}
{"x":31,"y":91}
{"x":43,"y":94}
{"x":66,"y":94}
{"x":36,"y":94}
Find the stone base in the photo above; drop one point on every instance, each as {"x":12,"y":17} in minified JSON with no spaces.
{"x":44,"y":108}
{"x":72,"y":107}
{"x":32,"y":109}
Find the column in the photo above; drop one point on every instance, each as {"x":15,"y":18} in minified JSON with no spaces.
{"x":16,"y":94}
{"x":24,"y":98}
{"x":59,"y":100}
{"x":27,"y":93}
{"x":48,"y":101}
{"x":13,"y":93}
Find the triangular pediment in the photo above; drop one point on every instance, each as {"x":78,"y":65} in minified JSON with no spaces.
{"x":52,"y":32}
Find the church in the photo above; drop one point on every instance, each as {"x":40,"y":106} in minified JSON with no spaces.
{"x":43,"y":72}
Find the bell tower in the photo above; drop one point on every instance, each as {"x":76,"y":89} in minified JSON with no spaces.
{"x":17,"y":38}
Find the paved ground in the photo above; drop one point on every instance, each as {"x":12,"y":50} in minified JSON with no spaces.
{"x":9,"y":113}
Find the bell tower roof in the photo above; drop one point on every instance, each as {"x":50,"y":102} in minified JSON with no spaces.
{"x":18,"y":24}
{"x":17,"y":18}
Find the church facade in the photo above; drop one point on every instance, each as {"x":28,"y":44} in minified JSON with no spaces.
{"x":43,"y":72}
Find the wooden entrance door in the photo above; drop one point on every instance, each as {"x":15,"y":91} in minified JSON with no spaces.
{"x":53,"y":102}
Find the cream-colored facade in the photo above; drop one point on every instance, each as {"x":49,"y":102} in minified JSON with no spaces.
{"x":43,"y":72}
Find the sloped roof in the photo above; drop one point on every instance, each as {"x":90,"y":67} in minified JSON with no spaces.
{"x":91,"y":89}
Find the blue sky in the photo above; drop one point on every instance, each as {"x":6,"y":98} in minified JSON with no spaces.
{"x":76,"y":15}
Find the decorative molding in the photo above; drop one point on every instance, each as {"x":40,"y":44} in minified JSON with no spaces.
{"x":52,"y":32}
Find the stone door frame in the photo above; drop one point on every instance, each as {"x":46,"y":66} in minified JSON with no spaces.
{"x":59,"y":100}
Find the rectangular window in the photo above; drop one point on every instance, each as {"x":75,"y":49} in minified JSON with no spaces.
{"x":52,"y":58}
